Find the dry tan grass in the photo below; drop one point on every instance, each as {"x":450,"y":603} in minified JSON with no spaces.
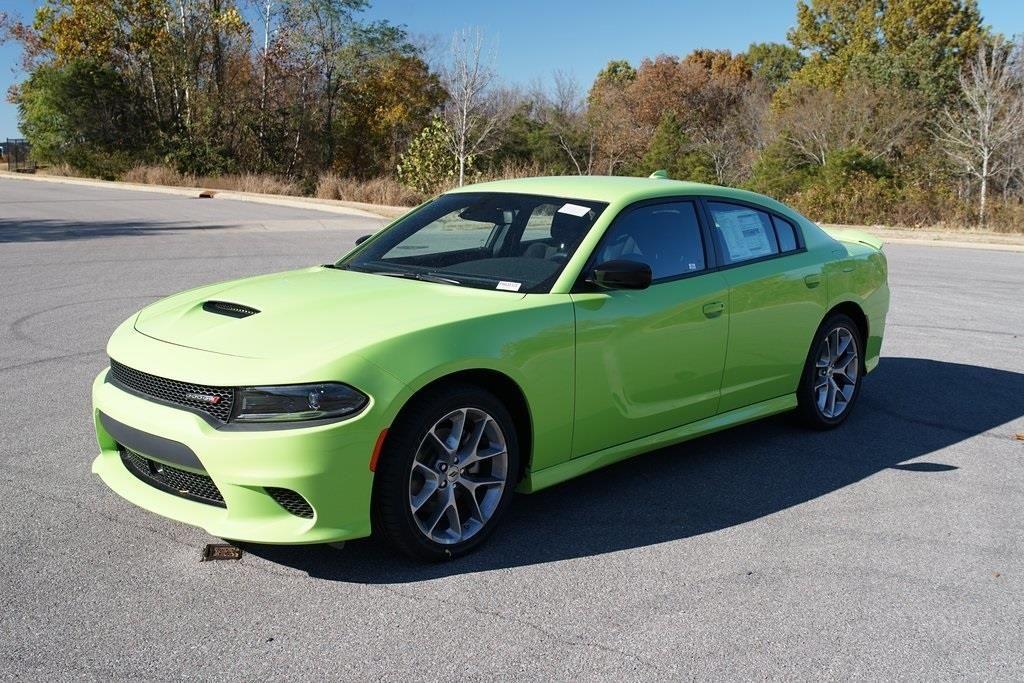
{"x":157,"y":175}
{"x":510,"y":170}
{"x":61,"y":169}
{"x":251,"y":182}
{"x":383,"y":191}
{"x":246,"y":182}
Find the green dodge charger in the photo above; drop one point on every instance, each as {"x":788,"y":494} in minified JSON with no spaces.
{"x":503,"y":336}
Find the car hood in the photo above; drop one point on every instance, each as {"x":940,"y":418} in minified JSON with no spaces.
{"x":313,"y":309}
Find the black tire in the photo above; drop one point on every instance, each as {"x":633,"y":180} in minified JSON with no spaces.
{"x":393,"y":518}
{"x":809,"y":411}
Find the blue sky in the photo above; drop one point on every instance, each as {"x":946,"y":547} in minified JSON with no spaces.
{"x":537,"y":37}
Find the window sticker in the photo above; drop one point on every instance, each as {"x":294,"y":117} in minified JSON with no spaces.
{"x":509,"y":286}
{"x":574,"y":210}
{"x":744,"y":233}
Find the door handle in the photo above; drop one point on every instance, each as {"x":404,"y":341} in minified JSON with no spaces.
{"x":713,"y":309}
{"x":812,"y":280}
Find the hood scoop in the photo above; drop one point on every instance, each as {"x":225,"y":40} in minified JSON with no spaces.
{"x":229,"y":309}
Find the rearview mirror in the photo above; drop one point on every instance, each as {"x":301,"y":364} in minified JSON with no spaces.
{"x":621,"y":274}
{"x":360,"y":240}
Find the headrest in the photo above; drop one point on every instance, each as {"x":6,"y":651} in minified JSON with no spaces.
{"x":568,"y":229}
{"x":649,"y":233}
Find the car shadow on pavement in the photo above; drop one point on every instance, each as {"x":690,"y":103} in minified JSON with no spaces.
{"x":909,"y":408}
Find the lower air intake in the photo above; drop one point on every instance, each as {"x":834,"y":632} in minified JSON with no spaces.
{"x":291,"y":501}
{"x":178,"y":482}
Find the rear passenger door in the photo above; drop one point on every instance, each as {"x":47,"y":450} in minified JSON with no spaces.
{"x":777,"y":298}
{"x":649,"y":360}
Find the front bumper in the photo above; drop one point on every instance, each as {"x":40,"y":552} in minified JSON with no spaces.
{"x":327,"y":464}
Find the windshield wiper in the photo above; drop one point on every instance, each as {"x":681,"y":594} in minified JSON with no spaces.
{"x":409,"y":275}
{"x":432,"y":277}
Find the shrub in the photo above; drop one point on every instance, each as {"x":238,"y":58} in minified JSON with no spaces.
{"x":778,"y":173}
{"x":200,"y":159}
{"x":427,"y":165}
{"x":1006,"y":217}
{"x":82,"y":113}
{"x":859,"y":199}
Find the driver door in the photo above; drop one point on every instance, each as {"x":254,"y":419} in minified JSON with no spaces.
{"x":650,"y":360}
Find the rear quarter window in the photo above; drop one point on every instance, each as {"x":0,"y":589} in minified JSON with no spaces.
{"x":742,"y":232}
{"x":786,"y":233}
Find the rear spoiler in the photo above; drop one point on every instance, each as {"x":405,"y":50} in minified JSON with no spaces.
{"x":853,"y":236}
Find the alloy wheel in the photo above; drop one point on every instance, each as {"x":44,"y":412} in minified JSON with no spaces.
{"x":458,"y":476}
{"x":836,"y":372}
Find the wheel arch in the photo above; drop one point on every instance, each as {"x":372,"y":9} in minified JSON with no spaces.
{"x":854,"y":311}
{"x":506,"y":389}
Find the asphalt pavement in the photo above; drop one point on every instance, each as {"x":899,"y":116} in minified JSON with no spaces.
{"x":890,"y":548}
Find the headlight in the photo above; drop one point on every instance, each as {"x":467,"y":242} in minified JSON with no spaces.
{"x":297,"y":402}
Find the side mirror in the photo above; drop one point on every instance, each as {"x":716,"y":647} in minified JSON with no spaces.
{"x":360,"y":240}
{"x":621,"y":274}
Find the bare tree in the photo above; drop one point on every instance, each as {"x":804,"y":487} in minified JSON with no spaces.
{"x":982,"y":132}
{"x":621,"y":135}
{"x":563,"y":111}
{"x":476,"y":108}
{"x":1011,"y":175}
{"x":819,"y":122}
{"x":732,"y":143}
{"x":268,"y":12}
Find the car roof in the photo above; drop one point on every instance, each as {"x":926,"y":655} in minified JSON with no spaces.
{"x":612,"y":189}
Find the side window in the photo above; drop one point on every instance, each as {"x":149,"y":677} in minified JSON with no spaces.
{"x":742,"y":232}
{"x":664,"y":236}
{"x":786,"y":234}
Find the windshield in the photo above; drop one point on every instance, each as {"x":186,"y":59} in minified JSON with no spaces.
{"x":490,"y":240}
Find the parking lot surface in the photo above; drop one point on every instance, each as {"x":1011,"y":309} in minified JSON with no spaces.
{"x":890,"y":548}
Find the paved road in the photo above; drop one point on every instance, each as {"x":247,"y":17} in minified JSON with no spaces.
{"x":889,"y":548}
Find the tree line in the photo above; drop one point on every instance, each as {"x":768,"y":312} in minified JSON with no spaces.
{"x":874,"y":111}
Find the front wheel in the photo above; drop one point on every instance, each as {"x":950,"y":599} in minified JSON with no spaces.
{"x":832,"y":375}
{"x":447,"y":472}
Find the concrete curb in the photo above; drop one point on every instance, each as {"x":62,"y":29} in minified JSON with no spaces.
{"x":326,"y":205}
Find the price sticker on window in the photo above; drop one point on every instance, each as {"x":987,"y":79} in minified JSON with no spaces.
{"x":574,"y":210}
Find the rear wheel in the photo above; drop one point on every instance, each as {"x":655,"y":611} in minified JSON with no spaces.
{"x":832,"y":375}
{"x":447,"y":472}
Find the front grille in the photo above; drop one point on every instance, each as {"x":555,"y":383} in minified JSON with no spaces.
{"x":172,"y":391}
{"x":191,"y":485}
{"x":291,"y":501}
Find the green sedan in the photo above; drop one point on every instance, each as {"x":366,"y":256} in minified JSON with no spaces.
{"x":503,"y":336}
